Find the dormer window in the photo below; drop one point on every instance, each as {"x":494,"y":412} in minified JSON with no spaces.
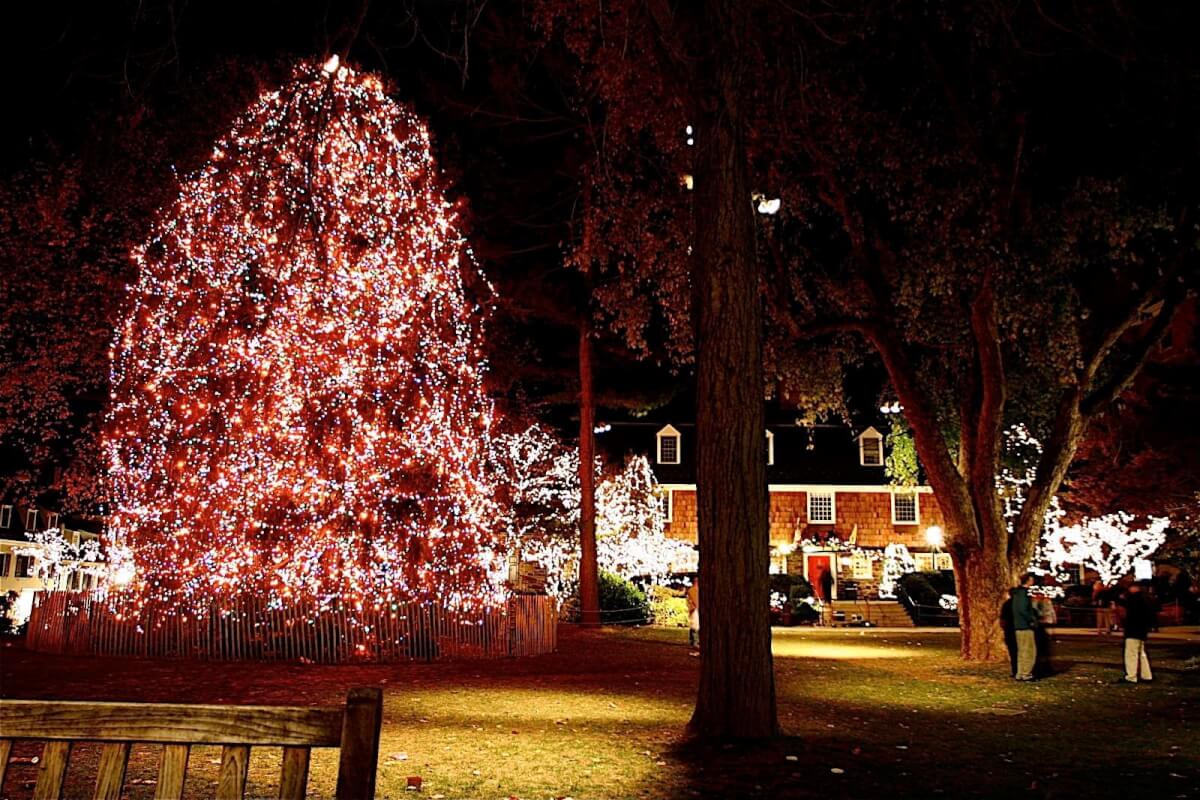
{"x":668,"y":445}
{"x":870,"y":448}
{"x":770,"y":448}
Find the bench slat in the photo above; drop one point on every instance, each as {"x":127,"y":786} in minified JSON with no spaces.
{"x":111,"y":774}
{"x":171,"y":772}
{"x":171,"y":723}
{"x":235,"y":761}
{"x":293,"y":778}
{"x":5,"y":751}
{"x":360,"y":744}
{"x":52,"y":770}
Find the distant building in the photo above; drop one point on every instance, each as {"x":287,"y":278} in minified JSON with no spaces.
{"x":24,"y":562}
{"x":832,"y":506}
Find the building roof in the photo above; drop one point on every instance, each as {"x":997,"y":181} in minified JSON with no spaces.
{"x":819,"y":454}
{"x":16,"y":517}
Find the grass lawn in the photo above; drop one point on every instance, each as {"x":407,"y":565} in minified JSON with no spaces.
{"x":895,"y":712}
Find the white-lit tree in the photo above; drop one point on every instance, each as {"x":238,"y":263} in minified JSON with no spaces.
{"x":631,"y":524}
{"x":1110,"y":545}
{"x":55,"y":556}
{"x":538,"y":478}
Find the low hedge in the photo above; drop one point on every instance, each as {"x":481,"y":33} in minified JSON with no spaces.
{"x":621,"y":600}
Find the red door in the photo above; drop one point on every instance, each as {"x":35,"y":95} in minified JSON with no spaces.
{"x":817,"y":567}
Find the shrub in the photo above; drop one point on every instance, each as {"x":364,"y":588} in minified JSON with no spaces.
{"x":668,"y":607}
{"x":805,"y":613}
{"x":621,"y":600}
{"x":942,"y":580}
{"x":793,"y":587}
{"x":6,"y":623}
{"x":920,"y":590}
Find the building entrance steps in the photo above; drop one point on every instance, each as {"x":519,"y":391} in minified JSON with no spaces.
{"x":880,"y":613}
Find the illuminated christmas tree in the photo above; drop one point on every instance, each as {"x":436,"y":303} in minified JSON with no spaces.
{"x":298,"y":407}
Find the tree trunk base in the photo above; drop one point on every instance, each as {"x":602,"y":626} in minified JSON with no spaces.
{"x":983,"y":582}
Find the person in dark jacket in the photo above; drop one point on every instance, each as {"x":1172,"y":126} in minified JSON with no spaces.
{"x":1025,"y":619}
{"x":1010,"y":635}
{"x":1139,"y":621}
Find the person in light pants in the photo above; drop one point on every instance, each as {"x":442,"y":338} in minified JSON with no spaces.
{"x":1139,"y":620}
{"x":1025,"y":619}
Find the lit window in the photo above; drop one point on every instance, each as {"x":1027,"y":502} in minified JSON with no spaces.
{"x":5,"y":516}
{"x":870,"y":448}
{"x":31,"y":519}
{"x":905,"y":508}
{"x":24,"y":567}
{"x":820,"y":508}
{"x":770,"y":448}
{"x":668,"y":445}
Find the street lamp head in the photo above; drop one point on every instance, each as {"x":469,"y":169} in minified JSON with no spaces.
{"x":934,"y":536}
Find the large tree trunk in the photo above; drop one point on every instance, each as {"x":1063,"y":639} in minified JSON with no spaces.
{"x":589,"y":586}
{"x":982,"y":579}
{"x":737,"y":683}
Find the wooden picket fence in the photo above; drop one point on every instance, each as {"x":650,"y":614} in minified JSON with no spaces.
{"x":248,"y":629}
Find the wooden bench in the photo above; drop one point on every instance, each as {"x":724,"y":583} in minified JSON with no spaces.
{"x":354,"y":729}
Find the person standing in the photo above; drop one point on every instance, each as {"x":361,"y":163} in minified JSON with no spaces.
{"x":1047,"y":619}
{"x":1024,"y":621}
{"x":1139,"y":620}
{"x":693,"y":609}
{"x":1010,"y":635}
{"x":826,"y":581}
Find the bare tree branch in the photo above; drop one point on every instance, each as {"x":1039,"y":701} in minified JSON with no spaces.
{"x":1121,"y":378}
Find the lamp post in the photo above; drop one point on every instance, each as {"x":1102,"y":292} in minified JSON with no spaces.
{"x":936,"y":539}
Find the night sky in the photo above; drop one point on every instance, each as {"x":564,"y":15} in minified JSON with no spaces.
{"x":88,"y":79}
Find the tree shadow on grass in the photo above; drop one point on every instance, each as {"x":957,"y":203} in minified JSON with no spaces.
{"x":951,"y":755}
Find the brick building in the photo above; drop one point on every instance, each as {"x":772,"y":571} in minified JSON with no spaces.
{"x":831,"y":503}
